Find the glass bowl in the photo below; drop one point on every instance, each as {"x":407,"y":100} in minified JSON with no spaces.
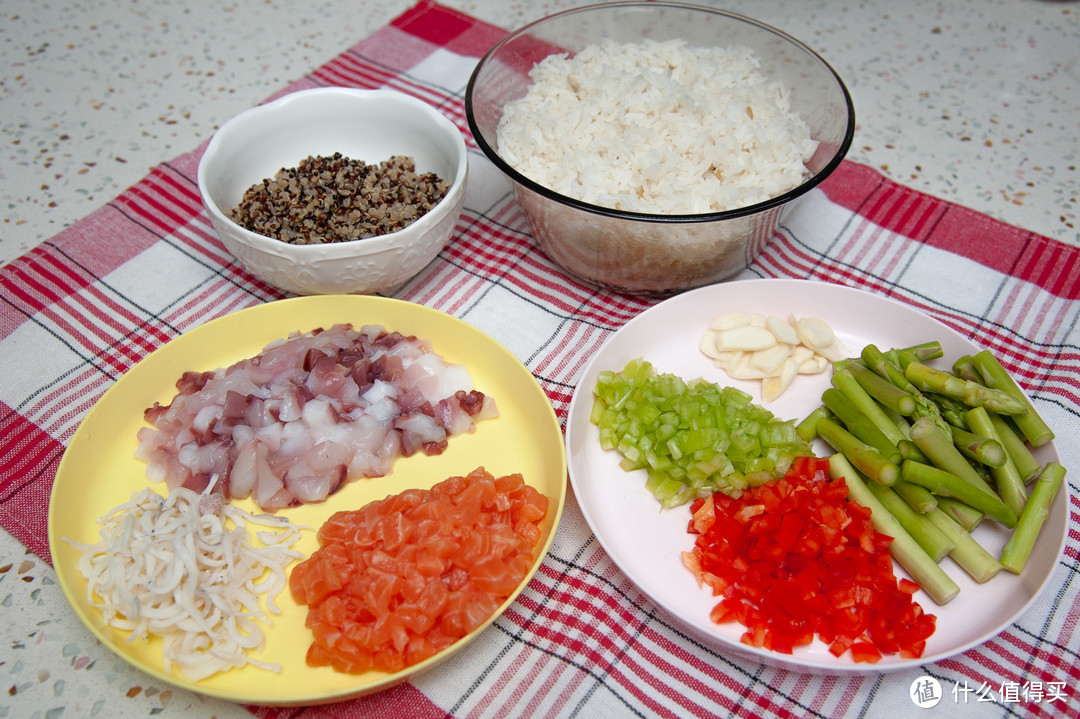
{"x":636,"y":252}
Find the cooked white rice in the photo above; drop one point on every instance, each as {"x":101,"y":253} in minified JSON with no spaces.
{"x":657,"y":127}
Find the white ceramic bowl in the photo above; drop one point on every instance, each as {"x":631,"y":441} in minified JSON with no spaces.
{"x":367,"y":125}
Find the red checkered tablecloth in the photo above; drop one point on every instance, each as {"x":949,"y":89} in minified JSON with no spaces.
{"x":82,"y":308}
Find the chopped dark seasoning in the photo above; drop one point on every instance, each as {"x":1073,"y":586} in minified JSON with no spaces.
{"x":337,"y":199}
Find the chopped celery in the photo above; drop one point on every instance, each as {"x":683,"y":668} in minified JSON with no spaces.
{"x":607,"y":438}
{"x":692,"y":436}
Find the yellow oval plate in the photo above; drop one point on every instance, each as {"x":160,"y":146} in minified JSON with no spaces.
{"x":98,"y":472}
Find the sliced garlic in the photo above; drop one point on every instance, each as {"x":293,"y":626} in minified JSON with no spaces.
{"x":834,"y":352}
{"x":815,"y":364}
{"x":708,"y":345}
{"x":814,"y":333}
{"x":783,"y":331}
{"x":742,"y":369}
{"x":748,"y":339}
{"x":774,"y":385}
{"x":727,"y":358}
{"x":756,"y":346}
{"x":772,"y":359}
{"x":801,"y":353}
{"x":729,"y":320}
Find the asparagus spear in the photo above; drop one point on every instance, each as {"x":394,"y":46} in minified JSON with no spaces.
{"x":807,"y":428}
{"x":969,"y":554}
{"x":904,"y":444}
{"x":917,"y":353}
{"x":941,"y":451}
{"x":921,"y":352}
{"x":844,"y":381}
{"x":982,"y":447}
{"x":931,"y":577}
{"x":1017,"y":549}
{"x":941,"y":482}
{"x":910,"y":450}
{"x":1006,"y":476}
{"x":918,"y":498}
{"x":928,"y":408}
{"x":884,"y":391}
{"x":933,"y":541}
{"x":972,"y":394}
{"x":876,"y":360}
{"x":960,"y":513}
{"x":859,"y":424}
{"x":1026,"y":465}
{"x":1030,"y":424}
{"x":964,"y":368}
{"x":869,"y":461}
{"x":951,"y":410}
{"x":899,"y":420}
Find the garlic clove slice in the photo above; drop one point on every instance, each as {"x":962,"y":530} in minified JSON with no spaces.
{"x":747,"y":339}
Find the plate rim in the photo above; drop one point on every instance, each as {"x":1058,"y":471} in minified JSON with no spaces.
{"x":343,"y":304}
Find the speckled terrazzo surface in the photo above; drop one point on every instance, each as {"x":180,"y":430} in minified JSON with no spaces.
{"x":972,"y":101}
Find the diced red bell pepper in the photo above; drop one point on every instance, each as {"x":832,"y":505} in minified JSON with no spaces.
{"x":794,"y":558}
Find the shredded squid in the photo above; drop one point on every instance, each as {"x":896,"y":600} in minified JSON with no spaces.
{"x":184,"y":568}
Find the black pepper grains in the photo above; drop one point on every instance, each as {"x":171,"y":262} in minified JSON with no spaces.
{"x":337,"y":199}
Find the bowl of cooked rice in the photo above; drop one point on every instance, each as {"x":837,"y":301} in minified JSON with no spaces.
{"x":335,"y":190}
{"x":654,"y":146}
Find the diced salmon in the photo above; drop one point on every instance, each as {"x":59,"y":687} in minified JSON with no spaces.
{"x":429,"y":564}
{"x":296,"y":582}
{"x":416,"y":620}
{"x":333,"y":611}
{"x":419,"y":649}
{"x":450,"y":487}
{"x":467,"y":612}
{"x":453,"y":621}
{"x":400,"y":579}
{"x":388,"y":660}
{"x":533,"y":505}
{"x":509,"y":483}
{"x":318,"y":655}
{"x":492,"y":575}
{"x":503,"y":540}
{"x":338,"y":526}
{"x":475,"y":547}
{"x":479,"y":493}
{"x":455,"y":578}
{"x":530,"y":531}
{"x":320,"y":582}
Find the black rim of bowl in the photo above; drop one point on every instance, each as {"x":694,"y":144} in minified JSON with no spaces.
{"x":810,"y":183}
